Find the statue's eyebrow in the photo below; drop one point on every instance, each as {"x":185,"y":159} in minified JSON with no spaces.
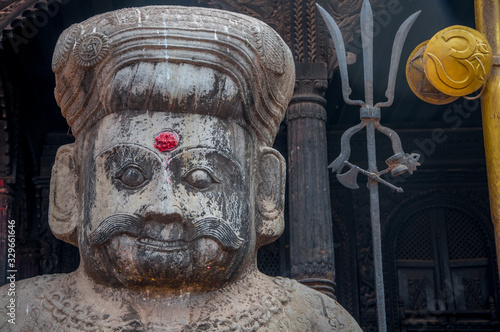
{"x":223,"y":154}
{"x":134,"y":146}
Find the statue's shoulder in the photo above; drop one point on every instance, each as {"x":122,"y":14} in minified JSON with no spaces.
{"x":310,"y":310}
{"x":45,"y":303}
{"x":20,"y":301}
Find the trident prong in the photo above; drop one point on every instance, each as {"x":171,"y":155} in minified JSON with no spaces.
{"x":368,"y":111}
{"x":397,"y":48}
{"x":341,"y":56}
{"x":400,"y":162}
{"x":367,"y":43}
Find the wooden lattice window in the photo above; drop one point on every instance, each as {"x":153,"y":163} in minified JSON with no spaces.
{"x":444,"y":272}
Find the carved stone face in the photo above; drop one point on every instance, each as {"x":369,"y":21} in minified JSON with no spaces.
{"x":183,"y":216}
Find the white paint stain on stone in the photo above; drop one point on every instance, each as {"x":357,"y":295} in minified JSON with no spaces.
{"x":168,"y":159}
{"x":139,"y":21}
{"x":167,"y":69}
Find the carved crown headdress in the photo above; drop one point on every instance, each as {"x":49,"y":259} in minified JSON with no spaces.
{"x":131,"y":59}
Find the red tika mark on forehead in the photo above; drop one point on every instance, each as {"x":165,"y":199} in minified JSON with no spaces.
{"x":166,"y":141}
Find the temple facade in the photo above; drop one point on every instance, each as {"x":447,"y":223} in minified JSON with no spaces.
{"x":438,"y":244}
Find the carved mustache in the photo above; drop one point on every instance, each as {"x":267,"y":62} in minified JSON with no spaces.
{"x":215,"y":228}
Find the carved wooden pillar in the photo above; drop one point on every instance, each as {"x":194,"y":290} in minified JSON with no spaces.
{"x":310,"y":220}
{"x":311,"y":235}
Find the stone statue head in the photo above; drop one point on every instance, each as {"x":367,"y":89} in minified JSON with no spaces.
{"x":172,"y":181}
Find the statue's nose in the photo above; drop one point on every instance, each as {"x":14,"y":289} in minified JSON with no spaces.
{"x":164,"y":205}
{"x":164,"y":221}
{"x":163,"y":212}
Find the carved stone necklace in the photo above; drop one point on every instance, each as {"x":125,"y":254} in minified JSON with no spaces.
{"x":266,"y":305}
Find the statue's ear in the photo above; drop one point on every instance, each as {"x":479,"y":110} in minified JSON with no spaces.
{"x":63,"y":214}
{"x":270,"y":196}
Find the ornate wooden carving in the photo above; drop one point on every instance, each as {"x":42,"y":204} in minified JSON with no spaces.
{"x":12,"y":11}
{"x":416,"y":290}
{"x":15,"y":14}
{"x":297,"y":22}
{"x":311,"y":237}
{"x":473,"y":294}
{"x":458,"y":291}
{"x":270,"y":11}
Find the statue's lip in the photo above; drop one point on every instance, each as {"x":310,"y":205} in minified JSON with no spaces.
{"x":162,"y":245}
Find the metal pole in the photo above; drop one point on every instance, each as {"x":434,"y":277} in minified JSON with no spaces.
{"x":375,"y":223}
{"x":488,"y":22}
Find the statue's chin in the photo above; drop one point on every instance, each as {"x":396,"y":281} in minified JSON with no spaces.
{"x":136,"y":262}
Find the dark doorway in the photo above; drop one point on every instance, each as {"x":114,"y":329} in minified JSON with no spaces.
{"x":444,"y":271}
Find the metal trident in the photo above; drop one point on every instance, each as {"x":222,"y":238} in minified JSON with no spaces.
{"x":400,"y":162}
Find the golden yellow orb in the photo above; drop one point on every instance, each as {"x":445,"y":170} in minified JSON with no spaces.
{"x":457,"y":60}
{"x":418,"y":82}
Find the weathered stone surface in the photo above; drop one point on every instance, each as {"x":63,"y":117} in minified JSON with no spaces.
{"x":171,"y":185}
{"x":256,"y":302}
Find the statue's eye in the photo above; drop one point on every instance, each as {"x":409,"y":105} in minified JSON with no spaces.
{"x":132,"y":176}
{"x":200,"y":178}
